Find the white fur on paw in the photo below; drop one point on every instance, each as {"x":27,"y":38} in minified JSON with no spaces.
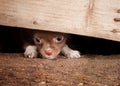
{"x":73,"y":54}
{"x":31,"y":52}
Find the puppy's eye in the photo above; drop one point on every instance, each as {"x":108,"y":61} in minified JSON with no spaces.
{"x":37,"y":40}
{"x":59,"y":39}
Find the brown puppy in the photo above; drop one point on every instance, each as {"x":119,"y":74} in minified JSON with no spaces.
{"x":49,"y":45}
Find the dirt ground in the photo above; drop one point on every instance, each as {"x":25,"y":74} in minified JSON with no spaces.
{"x":89,"y":70}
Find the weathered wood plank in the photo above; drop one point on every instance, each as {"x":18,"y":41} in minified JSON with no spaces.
{"x":97,"y":18}
{"x":102,"y":21}
{"x":56,"y":15}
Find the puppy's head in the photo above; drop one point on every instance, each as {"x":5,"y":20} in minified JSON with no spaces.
{"x":49,"y":44}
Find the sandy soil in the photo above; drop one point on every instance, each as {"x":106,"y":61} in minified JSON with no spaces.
{"x":89,"y":70}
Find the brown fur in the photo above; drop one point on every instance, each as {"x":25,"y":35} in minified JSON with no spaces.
{"x":48,"y":43}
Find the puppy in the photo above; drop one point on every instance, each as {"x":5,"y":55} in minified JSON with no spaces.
{"x":47,"y":44}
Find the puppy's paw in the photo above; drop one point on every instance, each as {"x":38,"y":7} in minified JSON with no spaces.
{"x":73,"y":54}
{"x":70,"y":53}
{"x":31,"y":52}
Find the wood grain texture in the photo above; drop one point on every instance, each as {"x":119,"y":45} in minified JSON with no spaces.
{"x":102,"y":19}
{"x":97,"y":18}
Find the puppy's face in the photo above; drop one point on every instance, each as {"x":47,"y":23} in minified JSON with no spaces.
{"x":49,"y":44}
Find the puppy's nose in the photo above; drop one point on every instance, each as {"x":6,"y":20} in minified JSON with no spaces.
{"x":48,"y":52}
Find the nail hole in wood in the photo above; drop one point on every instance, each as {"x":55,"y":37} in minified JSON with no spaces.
{"x":117,"y":19}
{"x":35,"y":22}
{"x":118,"y":11}
{"x":114,"y":31}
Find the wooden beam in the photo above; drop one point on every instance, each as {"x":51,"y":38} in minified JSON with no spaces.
{"x":97,"y":18}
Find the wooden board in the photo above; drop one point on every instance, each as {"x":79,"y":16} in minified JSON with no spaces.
{"x":104,"y":19}
{"x":97,"y":18}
